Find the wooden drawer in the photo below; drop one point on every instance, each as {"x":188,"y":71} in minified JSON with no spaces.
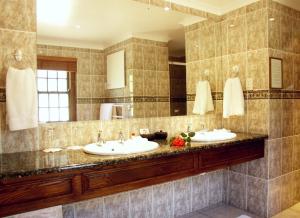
{"x":35,"y":190}
{"x":96,"y":180}
{"x":222,"y":157}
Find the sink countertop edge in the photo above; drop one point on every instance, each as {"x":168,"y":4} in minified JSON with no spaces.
{"x":88,"y":161}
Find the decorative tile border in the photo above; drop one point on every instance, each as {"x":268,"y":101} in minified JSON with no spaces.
{"x":133,"y":99}
{"x":257,"y":94}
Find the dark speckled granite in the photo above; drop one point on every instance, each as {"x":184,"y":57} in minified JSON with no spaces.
{"x":16,"y":165}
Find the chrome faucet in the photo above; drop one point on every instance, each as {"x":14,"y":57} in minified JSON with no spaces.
{"x":121,"y":137}
{"x":100,"y":140}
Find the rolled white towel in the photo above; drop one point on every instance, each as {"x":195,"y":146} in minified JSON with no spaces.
{"x":233,"y":101}
{"x":203,"y":99}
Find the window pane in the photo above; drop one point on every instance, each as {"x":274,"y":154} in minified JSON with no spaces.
{"x":52,"y":85}
{"x":64,"y":100}
{"x":62,"y":74}
{"x":42,"y":85}
{"x":43,"y":115}
{"x":62,"y":85}
{"x":52,"y":74}
{"x":42,"y":73}
{"x":64,"y":114}
{"x":54,"y":114}
{"x":43,"y":100}
{"x":53,"y":100}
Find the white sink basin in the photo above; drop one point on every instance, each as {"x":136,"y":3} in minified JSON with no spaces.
{"x":215,"y":135}
{"x":117,"y":148}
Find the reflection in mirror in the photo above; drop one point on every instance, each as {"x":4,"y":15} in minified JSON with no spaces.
{"x":73,"y":77}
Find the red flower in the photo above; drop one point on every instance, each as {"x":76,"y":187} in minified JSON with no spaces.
{"x":178,"y":142}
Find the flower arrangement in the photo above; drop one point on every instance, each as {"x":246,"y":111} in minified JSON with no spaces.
{"x":182,"y":139}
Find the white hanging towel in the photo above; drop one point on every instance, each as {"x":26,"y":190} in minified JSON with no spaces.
{"x":233,"y":101}
{"x":21,"y":99}
{"x":203,"y":99}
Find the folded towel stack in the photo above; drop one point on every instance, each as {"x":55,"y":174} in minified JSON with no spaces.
{"x":203,"y":100}
{"x":233,"y":101}
{"x":21,"y":99}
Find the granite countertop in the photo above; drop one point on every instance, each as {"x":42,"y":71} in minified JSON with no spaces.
{"x":22,"y":164}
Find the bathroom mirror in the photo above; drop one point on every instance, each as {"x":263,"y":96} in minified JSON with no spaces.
{"x":74,"y":40}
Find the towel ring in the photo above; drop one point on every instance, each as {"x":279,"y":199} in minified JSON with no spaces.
{"x":235,"y":70}
{"x":206,"y":73}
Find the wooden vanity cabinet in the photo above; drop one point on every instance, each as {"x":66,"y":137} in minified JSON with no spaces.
{"x":41,"y":191}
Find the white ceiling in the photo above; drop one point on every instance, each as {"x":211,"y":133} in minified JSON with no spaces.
{"x":106,"y":22}
{"x":220,"y":7}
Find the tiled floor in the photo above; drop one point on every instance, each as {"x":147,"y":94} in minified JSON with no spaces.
{"x":292,"y":212}
{"x":220,"y":211}
{"x":226,"y":211}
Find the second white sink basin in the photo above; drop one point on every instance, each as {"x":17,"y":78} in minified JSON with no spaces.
{"x":117,"y":148}
{"x":215,"y":135}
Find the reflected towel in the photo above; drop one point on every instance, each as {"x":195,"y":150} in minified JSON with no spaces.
{"x":233,"y":101}
{"x":106,"y":111}
{"x":21,"y":99}
{"x":203,"y":99}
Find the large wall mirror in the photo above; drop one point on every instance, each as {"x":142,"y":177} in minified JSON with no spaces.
{"x":110,"y":60}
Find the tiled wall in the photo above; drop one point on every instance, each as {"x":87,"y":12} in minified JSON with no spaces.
{"x":164,"y":200}
{"x":90,"y":77}
{"x":17,"y":31}
{"x":147,"y":77}
{"x":248,"y":37}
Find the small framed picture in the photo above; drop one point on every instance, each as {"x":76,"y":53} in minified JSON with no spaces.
{"x":276,"y":70}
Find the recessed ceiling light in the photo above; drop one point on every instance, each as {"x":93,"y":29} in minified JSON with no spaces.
{"x":167,"y":5}
{"x":231,"y":25}
{"x":271,"y":19}
{"x":77,"y":26}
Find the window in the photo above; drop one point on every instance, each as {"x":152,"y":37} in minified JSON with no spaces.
{"x":56,"y":84}
{"x":53,"y":95}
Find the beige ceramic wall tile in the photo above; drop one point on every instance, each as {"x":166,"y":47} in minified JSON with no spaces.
{"x":274,"y":200}
{"x":275,"y":121}
{"x":83,"y":86}
{"x":138,"y":82}
{"x":163,"y":109}
{"x":296,"y":186}
{"x":182,"y":200}
{"x":258,"y":68}
{"x":18,"y":15}
{"x":97,"y":63}
{"x":54,"y":212}
{"x":55,"y":135}
{"x":257,"y":190}
{"x":117,"y":204}
{"x":149,"y":57}
{"x":85,"y":132}
{"x":192,"y":46}
{"x":162,"y":203}
{"x":162,"y":55}
{"x":111,"y":129}
{"x":296,"y":73}
{"x":141,"y":202}
{"x":163,"y":83}
{"x":296,"y":116}
{"x":296,"y":152}
{"x":287,"y":191}
{"x":287,"y":117}
{"x":138,"y":110}
{"x":296,"y":35}
{"x":138,"y":62}
{"x":150,"y":83}
{"x":97,"y":86}
{"x":258,"y":111}
{"x":207,"y":42}
{"x":83,"y":62}
{"x":286,"y":33}
{"x":274,"y":29}
{"x":89,"y":208}
{"x":84,"y":111}
{"x":236,"y":34}
{"x":55,"y":51}
{"x":237,"y":190}
{"x":257,"y":29}
{"x":150,"y":109}
{"x":259,"y":168}
{"x":288,"y":71}
{"x":275,"y":154}
{"x":287,"y":155}
{"x":95,"y":111}
{"x":221,"y":38}
{"x":208,"y":65}
{"x":69,"y":52}
{"x":192,"y":76}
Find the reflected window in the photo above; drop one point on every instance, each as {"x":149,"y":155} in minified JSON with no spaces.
{"x":53,"y":95}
